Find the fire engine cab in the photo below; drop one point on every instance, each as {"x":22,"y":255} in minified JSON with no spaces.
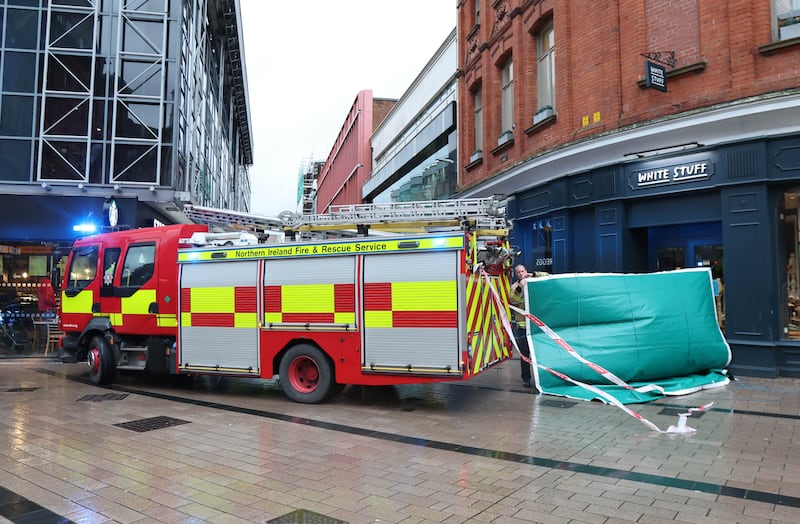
{"x":376,"y":294}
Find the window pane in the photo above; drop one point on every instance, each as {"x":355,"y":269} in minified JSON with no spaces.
{"x":138,"y":266}
{"x":546,"y":69}
{"x":142,"y":36}
{"x":135,"y":163}
{"x":19,"y":72}
{"x":71,"y":30}
{"x":32,"y":3}
{"x":478,"y":103}
{"x":63,"y":160}
{"x":66,"y":116}
{"x":788,"y":18}
{"x":507,"y":79}
{"x":16,"y":115}
{"x":138,"y":120}
{"x":16,"y":155}
{"x":83,"y":268}
{"x":22,"y":28}
{"x":69,"y":73}
{"x":141,"y":78}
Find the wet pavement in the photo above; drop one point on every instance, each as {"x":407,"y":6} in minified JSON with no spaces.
{"x":488,"y":450}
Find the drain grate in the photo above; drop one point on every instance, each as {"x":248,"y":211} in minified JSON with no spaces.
{"x":101,"y":398}
{"x":149,"y":424}
{"x":303,"y":516}
{"x":556,"y":403}
{"x":674,"y":412}
{"x":20,"y":390}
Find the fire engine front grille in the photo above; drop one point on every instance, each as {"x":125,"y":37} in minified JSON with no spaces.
{"x":304,"y":516}
{"x":105,"y":396}
{"x":149,"y":424}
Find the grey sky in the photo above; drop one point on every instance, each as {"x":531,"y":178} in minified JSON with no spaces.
{"x":306,"y":61}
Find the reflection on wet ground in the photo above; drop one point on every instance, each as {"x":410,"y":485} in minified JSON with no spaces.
{"x":487,"y":450}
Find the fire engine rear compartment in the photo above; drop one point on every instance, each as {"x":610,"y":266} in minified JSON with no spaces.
{"x":376,"y":315}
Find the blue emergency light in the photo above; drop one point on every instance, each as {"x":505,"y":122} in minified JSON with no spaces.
{"x":84,"y":228}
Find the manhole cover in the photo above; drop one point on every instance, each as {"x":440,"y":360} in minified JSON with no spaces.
{"x":149,"y":424}
{"x":105,"y":396}
{"x":303,"y":516}
{"x":20,"y":390}
{"x":556,"y":403}
{"x":674,"y":412}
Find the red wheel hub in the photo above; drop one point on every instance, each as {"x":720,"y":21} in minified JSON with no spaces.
{"x":94,"y":360}
{"x":304,"y":374}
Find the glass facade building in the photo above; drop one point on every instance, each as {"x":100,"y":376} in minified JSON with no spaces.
{"x":136,"y":105}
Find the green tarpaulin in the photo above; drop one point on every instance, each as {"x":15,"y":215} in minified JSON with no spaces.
{"x":647,"y":329}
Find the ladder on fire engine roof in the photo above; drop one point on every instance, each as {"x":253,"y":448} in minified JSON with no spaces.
{"x":482,"y":214}
{"x":475,"y":213}
{"x":235,"y":220}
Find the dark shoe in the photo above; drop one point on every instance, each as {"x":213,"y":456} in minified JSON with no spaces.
{"x":527,"y":384}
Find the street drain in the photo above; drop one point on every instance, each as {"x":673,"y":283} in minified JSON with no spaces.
{"x":20,"y":390}
{"x":105,"y":396}
{"x":556,"y":403}
{"x":303,"y":516}
{"x":149,"y":424}
{"x":674,"y":412}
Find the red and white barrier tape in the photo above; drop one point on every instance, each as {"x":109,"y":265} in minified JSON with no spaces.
{"x":679,"y":428}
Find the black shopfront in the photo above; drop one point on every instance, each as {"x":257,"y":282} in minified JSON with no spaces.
{"x":732,"y":208}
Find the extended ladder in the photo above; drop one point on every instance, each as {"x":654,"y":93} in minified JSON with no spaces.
{"x":474,"y":213}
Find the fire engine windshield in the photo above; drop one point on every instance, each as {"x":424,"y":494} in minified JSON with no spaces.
{"x":83,"y":267}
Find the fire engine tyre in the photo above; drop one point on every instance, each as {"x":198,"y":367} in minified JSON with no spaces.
{"x":306,"y":375}
{"x":101,"y":361}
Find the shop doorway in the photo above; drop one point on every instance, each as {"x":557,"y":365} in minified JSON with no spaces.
{"x":687,"y":246}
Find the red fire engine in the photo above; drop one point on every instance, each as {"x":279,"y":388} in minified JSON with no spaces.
{"x":319,"y":312}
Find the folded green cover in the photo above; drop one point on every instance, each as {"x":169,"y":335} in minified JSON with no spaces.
{"x":647,"y":329}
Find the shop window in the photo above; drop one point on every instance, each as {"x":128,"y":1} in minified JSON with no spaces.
{"x":788,"y":242}
{"x":691,"y":245}
{"x":542,"y":246}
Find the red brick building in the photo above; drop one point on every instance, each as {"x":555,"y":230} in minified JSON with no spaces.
{"x":349,"y":162}
{"x":646,"y":135}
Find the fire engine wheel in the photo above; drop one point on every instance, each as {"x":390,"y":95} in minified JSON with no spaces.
{"x":101,"y":361}
{"x":306,"y":375}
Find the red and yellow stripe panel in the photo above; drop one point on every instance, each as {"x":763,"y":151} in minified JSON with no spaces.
{"x":219,"y":307}
{"x":310,"y":303}
{"x":411,"y":304}
{"x":485,"y":331}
